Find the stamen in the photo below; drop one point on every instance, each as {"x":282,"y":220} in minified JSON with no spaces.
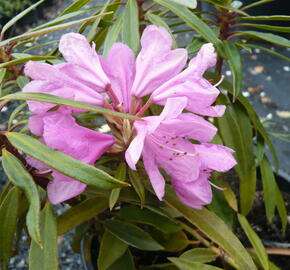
{"x":217,"y":187}
{"x":220,"y":81}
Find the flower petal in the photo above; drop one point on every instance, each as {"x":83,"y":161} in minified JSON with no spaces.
{"x":156,"y":61}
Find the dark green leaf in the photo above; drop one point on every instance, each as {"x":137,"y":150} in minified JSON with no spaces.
{"x":137,"y":184}
{"x":125,"y":262}
{"x":136,"y":214}
{"x":45,"y":258}
{"x":132,"y":235}
{"x":8,"y":217}
{"x":200,"y":255}
{"x":281,"y":209}
{"x":63,"y":163}
{"x":21,"y":178}
{"x":257,"y":3}
{"x":234,"y":59}
{"x":26,"y":59}
{"x":255,"y":242}
{"x":75,"y":6}
{"x":65,"y":102}
{"x":187,"y":265}
{"x":111,"y":249}
{"x":282,"y":29}
{"x":130,"y":29}
{"x":194,"y":46}
{"x":269,"y":188}
{"x":80,"y":213}
{"x":266,"y":18}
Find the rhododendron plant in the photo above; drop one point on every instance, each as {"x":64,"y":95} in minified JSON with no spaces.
{"x":126,"y":133}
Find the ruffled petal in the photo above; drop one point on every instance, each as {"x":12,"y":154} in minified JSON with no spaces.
{"x":216,"y":157}
{"x":156,"y":61}
{"x":120,"y":68}
{"x":194,"y":194}
{"x":76,"y":50}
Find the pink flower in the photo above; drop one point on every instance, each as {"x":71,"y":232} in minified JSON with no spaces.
{"x":60,"y":131}
{"x":162,"y":142}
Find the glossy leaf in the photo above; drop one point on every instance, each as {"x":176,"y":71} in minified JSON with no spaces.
{"x":111,"y":249}
{"x":191,"y":20}
{"x":266,"y":36}
{"x":234,"y":59}
{"x":269,"y":188}
{"x":15,"y":19}
{"x":212,"y":226}
{"x":255,"y":241}
{"x":188,"y":265}
{"x":121,"y":175}
{"x":125,"y":262}
{"x":63,"y":163}
{"x":47,"y":98}
{"x":137,"y":185}
{"x":80,"y":213}
{"x":45,"y":258}
{"x":130,"y":29}
{"x":16,"y":173}
{"x":132,"y":235}
{"x":200,"y":255}
{"x":145,"y":216}
{"x":8,"y":217}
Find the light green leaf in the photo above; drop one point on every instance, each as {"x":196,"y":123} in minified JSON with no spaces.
{"x":18,"y":17}
{"x":80,"y":213}
{"x":257,"y":3}
{"x":63,"y":163}
{"x":187,"y":265}
{"x":115,"y":247}
{"x":266,"y":18}
{"x":200,"y":255}
{"x":281,"y":209}
{"x":47,"y":98}
{"x":121,"y":175}
{"x":186,"y":3}
{"x":16,"y":173}
{"x":22,"y":81}
{"x":145,"y":216}
{"x":255,"y":241}
{"x":15,"y":113}
{"x":130,"y":28}
{"x":137,"y":185}
{"x":234,"y":59}
{"x":45,"y":258}
{"x":283,"y":29}
{"x":214,"y":228}
{"x":8,"y":217}
{"x":269,"y":188}
{"x":132,"y":235}
{"x":2,"y":74}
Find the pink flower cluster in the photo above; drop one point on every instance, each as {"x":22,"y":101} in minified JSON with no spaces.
{"x":119,"y":81}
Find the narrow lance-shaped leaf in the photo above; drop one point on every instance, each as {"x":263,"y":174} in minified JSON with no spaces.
{"x":75,"y":6}
{"x":45,"y":258}
{"x":47,"y":98}
{"x":135,"y":180}
{"x":266,"y":18}
{"x":186,"y":3}
{"x":15,"y":113}
{"x":255,"y":242}
{"x":257,"y":3}
{"x":201,"y":255}
{"x":234,"y":59}
{"x":124,"y":262}
{"x":8,"y":217}
{"x":26,"y":59}
{"x":130,"y":28}
{"x":190,"y":265}
{"x":63,"y":163}
{"x":15,"y":171}
{"x":281,"y":209}
{"x":283,"y":29}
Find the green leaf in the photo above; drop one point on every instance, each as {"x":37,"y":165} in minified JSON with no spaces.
{"x":22,"y":81}
{"x":125,"y":262}
{"x":186,"y":3}
{"x":80,"y":213}
{"x":75,"y":6}
{"x":121,"y":175}
{"x":255,"y":242}
{"x":8,"y":217}
{"x":45,"y":258}
{"x":132,"y":235}
{"x":194,"y":46}
{"x":137,"y":185}
{"x":234,"y":59}
{"x":49,"y":29}
{"x":130,"y":28}
{"x":281,"y":209}
{"x":66,"y":102}
{"x":192,"y":21}
{"x":13,"y":21}
{"x":261,"y":2}
{"x":15,"y":112}
{"x":283,"y":29}
{"x":187,"y":265}
{"x":2,"y":74}
{"x":113,"y":33}
{"x":214,"y":228}
{"x":266,"y":36}
{"x":116,"y":247}
{"x":266,"y":18}
{"x":269,"y":188}
{"x":200,"y":255}
{"x":63,"y":163}
{"x":145,"y":216}
{"x":16,"y":173}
